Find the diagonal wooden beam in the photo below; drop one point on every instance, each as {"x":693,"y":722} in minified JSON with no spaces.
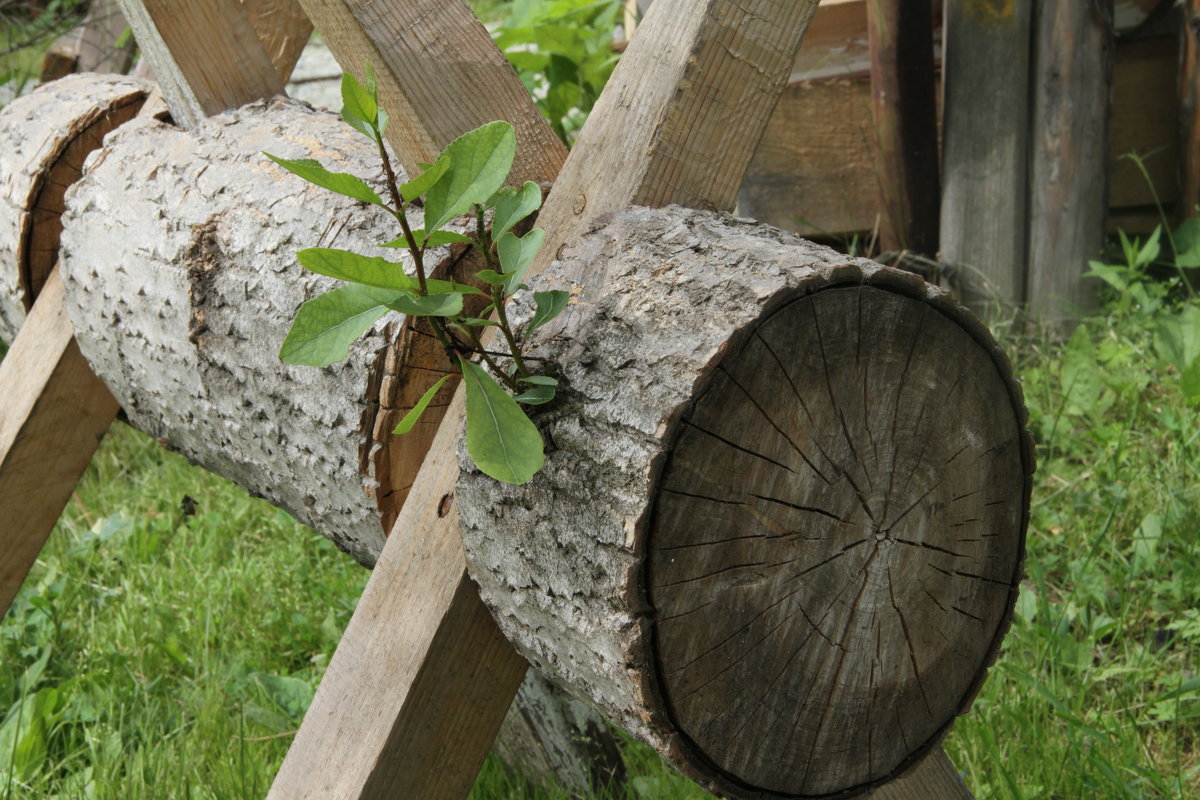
{"x":206,"y":55}
{"x":440,"y":75}
{"x":54,"y":415}
{"x":677,"y":123}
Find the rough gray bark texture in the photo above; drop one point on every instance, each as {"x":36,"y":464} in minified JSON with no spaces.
{"x":43,"y":134}
{"x":179,"y":258}
{"x":718,"y":514}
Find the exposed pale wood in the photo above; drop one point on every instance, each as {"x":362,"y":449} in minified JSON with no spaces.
{"x":986,"y":69}
{"x":1189,"y":108}
{"x":440,"y":75}
{"x":91,"y":46}
{"x":54,"y":414}
{"x":757,"y":544}
{"x":283,"y":28}
{"x":935,"y":778}
{"x":1071,"y":88}
{"x":44,"y":138}
{"x":672,"y":76}
{"x":905,"y":111}
{"x":205,"y":54}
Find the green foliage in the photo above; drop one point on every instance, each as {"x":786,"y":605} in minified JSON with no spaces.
{"x":563,"y":52}
{"x":467,"y":177}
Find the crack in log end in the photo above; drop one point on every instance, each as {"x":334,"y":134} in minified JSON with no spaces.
{"x":203,"y":259}
{"x":793,"y":658}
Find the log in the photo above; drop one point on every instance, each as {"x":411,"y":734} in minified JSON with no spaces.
{"x":780,"y":528}
{"x":182,"y":280}
{"x":44,"y":138}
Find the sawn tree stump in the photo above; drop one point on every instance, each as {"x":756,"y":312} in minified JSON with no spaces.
{"x":781,"y":524}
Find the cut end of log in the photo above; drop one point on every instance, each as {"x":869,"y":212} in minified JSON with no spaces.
{"x":781,"y":524}
{"x":45,"y":137}
{"x":835,"y":541}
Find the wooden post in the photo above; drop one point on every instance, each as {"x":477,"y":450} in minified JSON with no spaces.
{"x":985,"y":137}
{"x":1072,"y":78}
{"x":660,"y":133}
{"x":1189,"y":108}
{"x":904,"y":104}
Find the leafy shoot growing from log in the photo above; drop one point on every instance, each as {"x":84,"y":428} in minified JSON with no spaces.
{"x":467,"y":178}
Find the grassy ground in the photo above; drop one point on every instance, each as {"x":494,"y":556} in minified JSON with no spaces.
{"x":170,"y":637}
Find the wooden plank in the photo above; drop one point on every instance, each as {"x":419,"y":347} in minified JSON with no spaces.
{"x":1072,"y":78}
{"x":1145,"y":120}
{"x":205,"y":54}
{"x":284,"y":30}
{"x":1189,"y":108}
{"x":680,"y":94}
{"x":985,"y":137}
{"x":935,"y":778}
{"x":440,"y":75}
{"x":904,"y":108}
{"x":54,"y":414}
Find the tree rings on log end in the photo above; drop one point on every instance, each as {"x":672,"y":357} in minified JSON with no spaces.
{"x":44,"y":138}
{"x":781,"y":524}
{"x":836,"y":541}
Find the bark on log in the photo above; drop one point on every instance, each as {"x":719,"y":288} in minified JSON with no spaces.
{"x":44,"y":138}
{"x":182,"y":282}
{"x":781,"y":524}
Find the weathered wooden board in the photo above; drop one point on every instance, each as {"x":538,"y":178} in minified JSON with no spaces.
{"x":54,"y":414}
{"x":1071,"y":92}
{"x":206,"y":56}
{"x":905,"y":113}
{"x":1189,"y":108}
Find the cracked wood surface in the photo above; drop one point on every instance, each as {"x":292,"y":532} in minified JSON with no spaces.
{"x":780,"y":528}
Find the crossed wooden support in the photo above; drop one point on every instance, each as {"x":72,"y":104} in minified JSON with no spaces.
{"x":422,"y":678}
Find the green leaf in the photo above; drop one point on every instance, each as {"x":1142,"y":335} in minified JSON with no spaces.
{"x":326,"y":326}
{"x":479,"y":163}
{"x":340,"y":182}
{"x":438,"y":305}
{"x":359,"y":106}
{"x":517,"y":254}
{"x":410,"y":419}
{"x":549,"y":305}
{"x":479,"y":322}
{"x":513,"y":207}
{"x":539,"y":380}
{"x":536,"y":396}
{"x":1187,"y":243}
{"x":420,"y":185}
{"x":347,"y":266}
{"x":501,"y":440}
{"x":435,"y":239}
{"x":491,"y":277}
